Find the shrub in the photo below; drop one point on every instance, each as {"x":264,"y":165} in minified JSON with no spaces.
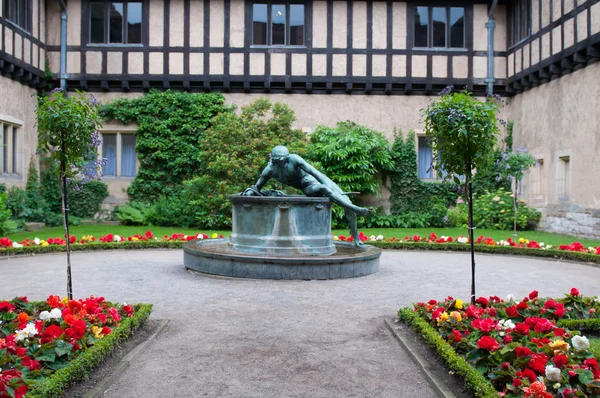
{"x":172,"y":210}
{"x":85,"y":201}
{"x":5,"y":222}
{"x":15,"y":201}
{"x":351,"y":155}
{"x":49,"y":186}
{"x":132,"y":213}
{"x":495,"y":211}
{"x":169,"y":138}
{"x":235,"y":150}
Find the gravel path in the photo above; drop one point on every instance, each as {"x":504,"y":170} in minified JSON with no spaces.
{"x":261,"y":338}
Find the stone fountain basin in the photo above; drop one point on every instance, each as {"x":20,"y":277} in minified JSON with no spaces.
{"x":215,"y":257}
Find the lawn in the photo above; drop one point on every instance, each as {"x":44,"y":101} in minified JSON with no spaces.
{"x":400,"y":233}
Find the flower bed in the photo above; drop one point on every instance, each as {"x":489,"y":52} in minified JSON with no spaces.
{"x":45,"y":346}
{"x":523,"y":348}
{"x":574,"y":251}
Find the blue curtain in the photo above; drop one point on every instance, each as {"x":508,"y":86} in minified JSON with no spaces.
{"x":425,"y":157}
{"x":109,"y":151}
{"x":128,"y":155}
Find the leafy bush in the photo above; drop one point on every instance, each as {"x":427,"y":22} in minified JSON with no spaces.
{"x":351,"y":155}
{"x":50,"y":189}
{"x":234,"y":152}
{"x":132,"y":213}
{"x":495,"y":211}
{"x":409,"y":219}
{"x":173,"y":209}
{"x":85,"y":200}
{"x":169,"y":138}
{"x":5,"y":222}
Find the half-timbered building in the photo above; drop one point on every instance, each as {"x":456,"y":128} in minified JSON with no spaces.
{"x":377,"y":63}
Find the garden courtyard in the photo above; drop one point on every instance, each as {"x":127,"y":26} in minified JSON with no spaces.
{"x":263,"y":338}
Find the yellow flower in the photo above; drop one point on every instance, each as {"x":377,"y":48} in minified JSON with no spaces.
{"x":134,"y":239}
{"x":336,"y":238}
{"x":458,"y":304}
{"x":44,"y":243}
{"x":456,"y":315}
{"x":443,"y":317}
{"x":97,"y":332}
{"x":559,"y":345}
{"x":214,"y":236}
{"x":521,"y":240}
{"x":65,"y":300}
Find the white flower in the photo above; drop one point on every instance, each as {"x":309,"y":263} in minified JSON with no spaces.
{"x":580,"y":343}
{"x":372,"y":238}
{"x":553,"y":374}
{"x":199,"y":236}
{"x":597,"y":299}
{"x":184,"y":236}
{"x":36,"y":240}
{"x":117,"y":238}
{"x":591,"y":249}
{"x":335,"y":237}
{"x":462,"y":239}
{"x":56,"y":313}
{"x":20,"y":335}
{"x":16,"y":245}
{"x":510,"y":297}
{"x":496,"y":198}
{"x":379,"y":237}
{"x":45,"y":315}
{"x":506,"y":324}
{"x":542,"y":244}
{"x":548,"y":246}
{"x":28,"y":331}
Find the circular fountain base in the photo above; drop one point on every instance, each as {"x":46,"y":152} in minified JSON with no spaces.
{"x":217,"y":258}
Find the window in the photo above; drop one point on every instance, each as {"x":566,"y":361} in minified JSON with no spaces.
{"x":119,"y":151}
{"x":115,"y":22}
{"x":536,"y":181}
{"x":10,"y":154}
{"x":425,"y":168}
{"x":18,"y":12}
{"x":519,"y":21}
{"x":439,"y":27}
{"x":563,"y":181}
{"x":278,"y":24}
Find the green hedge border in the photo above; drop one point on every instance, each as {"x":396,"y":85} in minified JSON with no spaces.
{"x":583,"y":325}
{"x":80,"y":367}
{"x":480,"y":248}
{"x":476,"y":382}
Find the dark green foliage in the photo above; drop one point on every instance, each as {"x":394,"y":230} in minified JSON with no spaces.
{"x":235,"y":150}
{"x":2,"y":187}
{"x":169,"y":138}
{"x":79,"y":368}
{"x":85,"y":201}
{"x":132,"y":213}
{"x":410,"y":195}
{"x":172,"y":209}
{"x":495,"y":211}
{"x":489,"y":178}
{"x":351,"y":155}
{"x":49,"y":185}
{"x":5,"y":225}
{"x":35,"y":205}
{"x":407,"y":219}
{"x":15,"y":201}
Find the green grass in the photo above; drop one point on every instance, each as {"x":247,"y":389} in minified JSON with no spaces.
{"x":595,"y":347}
{"x":100,"y":230}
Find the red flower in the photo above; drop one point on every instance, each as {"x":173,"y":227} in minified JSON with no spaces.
{"x":473,"y":312}
{"x":488,"y":343}
{"x":482,"y":301}
{"x":436,"y":314}
{"x":560,"y":360}
{"x":432,"y":302}
{"x":569,"y":393}
{"x":537,"y":363}
{"x":77,"y":330}
{"x":560,"y":332}
{"x":507,"y":339}
{"x":517,"y":383}
{"x":560,"y":310}
{"x":54,"y":301}
{"x":543,"y":326}
{"x":6,"y":306}
{"x":21,"y":351}
{"x":433,"y":236}
{"x":31,"y":364}
{"x":511,"y":311}
{"x":485,"y":325}
{"x":522,"y":306}
{"x":106,"y":330}
{"x":128,"y":310}
{"x":575,"y":291}
{"x":537,"y":390}
{"x":522,"y":351}
{"x":550,"y":304}
{"x":522,"y":328}
{"x":456,"y":336}
{"x":592,"y":363}
{"x":479,"y":239}
{"x":528,"y":374}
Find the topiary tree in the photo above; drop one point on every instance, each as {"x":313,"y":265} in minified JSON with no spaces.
{"x":463,"y":133}
{"x":512,"y":167}
{"x":234,"y":151}
{"x":68,"y":134}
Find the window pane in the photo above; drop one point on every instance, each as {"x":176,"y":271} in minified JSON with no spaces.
{"x":5,"y":149}
{"x":128,"y":155}
{"x":278,"y":24}
{"x":457,"y":27}
{"x":425,"y":158}
{"x":14,"y":149}
{"x":296,"y":25}
{"x":259,"y":22}
{"x":438,"y":19}
{"x":109,"y":152}
{"x":23,"y":13}
{"x":116,"y":23}
{"x":421,"y":26}
{"x":97,"y":22}
{"x":134,"y":23}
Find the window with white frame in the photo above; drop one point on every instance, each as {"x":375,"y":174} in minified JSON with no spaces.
{"x":10,"y":155}
{"x":119,"y":151}
{"x":536,"y":181}
{"x":425,"y":169}
{"x":563,"y":178}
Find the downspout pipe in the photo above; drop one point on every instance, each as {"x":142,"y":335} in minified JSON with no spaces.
{"x":63,"y":45}
{"x":490,"y":25}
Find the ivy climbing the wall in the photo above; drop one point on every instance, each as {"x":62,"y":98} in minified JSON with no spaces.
{"x":169,"y":137}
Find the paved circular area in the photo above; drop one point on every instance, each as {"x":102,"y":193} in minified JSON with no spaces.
{"x":261,"y":338}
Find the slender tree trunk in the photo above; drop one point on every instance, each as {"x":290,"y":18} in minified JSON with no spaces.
{"x":515,"y":206}
{"x":65,"y":209}
{"x":471,"y":240}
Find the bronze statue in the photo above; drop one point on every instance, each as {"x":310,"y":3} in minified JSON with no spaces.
{"x":294,"y":171}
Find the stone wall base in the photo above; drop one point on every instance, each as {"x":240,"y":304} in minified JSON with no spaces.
{"x":572,"y":219}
